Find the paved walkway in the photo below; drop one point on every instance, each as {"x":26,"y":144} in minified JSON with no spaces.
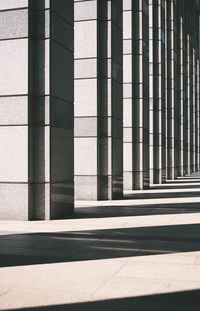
{"x":141,"y":253}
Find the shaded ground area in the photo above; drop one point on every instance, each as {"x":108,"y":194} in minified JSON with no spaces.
{"x":141,"y":253}
{"x":174,"y":197}
{"x":41,"y":248}
{"x":173,"y":302}
{"x":137,"y":210}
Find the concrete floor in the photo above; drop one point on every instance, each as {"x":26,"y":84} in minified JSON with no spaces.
{"x":142,"y":253}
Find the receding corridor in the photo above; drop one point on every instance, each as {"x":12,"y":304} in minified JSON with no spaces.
{"x":100,"y":155}
{"x":142,"y":252}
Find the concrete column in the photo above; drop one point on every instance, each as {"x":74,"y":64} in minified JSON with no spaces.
{"x":157,"y":89}
{"x":14,"y":130}
{"x":191,"y":107}
{"x":172,"y":91}
{"x":163,"y":95}
{"x":198,"y":90}
{"x":191,"y":112}
{"x":194,"y":110}
{"x":184,"y":61}
{"x":180,"y":77}
{"x":176,"y":103}
{"x":198,"y":116}
{"x":197,"y":40}
{"x":140,"y":108}
{"x":127,"y":95}
{"x":113,"y":110}
{"x":36,"y":109}
{"x":166,"y":88}
{"x":190,"y":21}
{"x":151,"y":106}
{"x":86,"y":99}
{"x":98,"y":100}
{"x":188,"y":170}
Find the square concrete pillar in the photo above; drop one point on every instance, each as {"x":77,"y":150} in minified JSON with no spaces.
{"x":185,"y":146}
{"x":180,"y":91}
{"x":188,"y":114}
{"x":191,"y":108}
{"x":188,"y":110}
{"x":36,"y":109}
{"x":98,"y":100}
{"x":194,"y":112}
{"x":166,"y":89}
{"x":163,"y":92}
{"x":198,"y":115}
{"x":140,"y":101}
{"x":113,"y":110}
{"x":127,"y":95}
{"x":172,"y":129}
{"x":157,"y":91}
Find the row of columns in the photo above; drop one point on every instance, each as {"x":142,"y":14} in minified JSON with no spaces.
{"x":103,"y":93}
{"x":173,"y":99}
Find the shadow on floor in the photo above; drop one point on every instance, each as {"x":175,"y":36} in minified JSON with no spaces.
{"x":162,"y":195}
{"x":173,"y":186}
{"x":136,"y":210}
{"x":181,"y":301}
{"x":184,"y":180}
{"x":42,"y":248}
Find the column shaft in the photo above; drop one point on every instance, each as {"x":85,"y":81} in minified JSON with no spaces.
{"x":157,"y":89}
{"x":180,"y":77}
{"x":194,"y":111}
{"x":127,"y":95}
{"x":198,"y":116}
{"x":166,"y":87}
{"x":184,"y":55}
{"x":188,"y":126}
{"x":140,"y":108}
{"x":98,"y":100}
{"x":37,"y":109}
{"x":114,"y":108}
{"x":172,"y":91}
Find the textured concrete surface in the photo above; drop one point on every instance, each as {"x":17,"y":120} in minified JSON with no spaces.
{"x":147,"y":258}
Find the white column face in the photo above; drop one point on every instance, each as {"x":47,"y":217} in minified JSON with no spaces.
{"x":157,"y":91}
{"x":14,"y":110}
{"x":127,"y":95}
{"x":86,"y":100}
{"x":36,"y":109}
{"x":172,"y":128}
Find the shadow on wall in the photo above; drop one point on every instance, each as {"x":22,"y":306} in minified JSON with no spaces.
{"x":43,"y":248}
{"x":182,"y":301}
